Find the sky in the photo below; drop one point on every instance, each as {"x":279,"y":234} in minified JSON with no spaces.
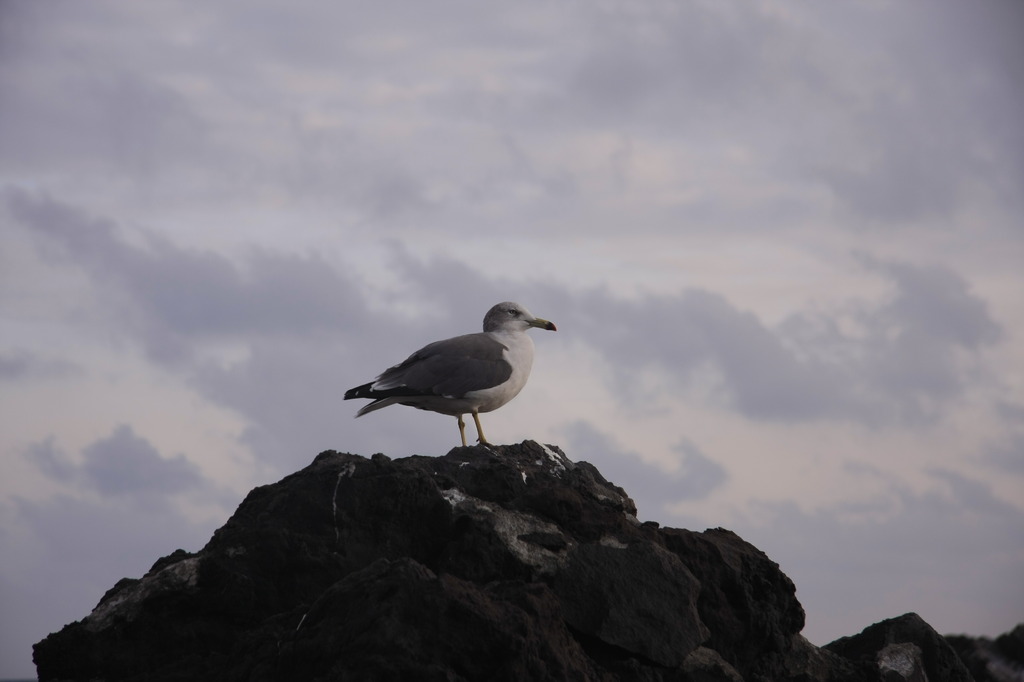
{"x":782,"y":243}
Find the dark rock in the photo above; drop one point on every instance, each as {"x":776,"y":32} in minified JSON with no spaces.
{"x":1011,"y":644}
{"x":397,"y":620}
{"x":490,"y":563}
{"x":638,"y":598}
{"x":747,"y":603}
{"x":1001,"y":660}
{"x":903,"y":649}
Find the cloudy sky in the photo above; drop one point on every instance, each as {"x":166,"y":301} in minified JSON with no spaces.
{"x":783,"y":244}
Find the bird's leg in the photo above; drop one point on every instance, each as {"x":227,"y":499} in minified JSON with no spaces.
{"x":479,"y":429}
{"x":462,"y":428}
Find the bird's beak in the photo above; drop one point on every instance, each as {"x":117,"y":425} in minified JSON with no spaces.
{"x":543,"y":324}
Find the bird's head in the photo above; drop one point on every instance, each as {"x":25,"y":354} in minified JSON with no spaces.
{"x":509,"y":315}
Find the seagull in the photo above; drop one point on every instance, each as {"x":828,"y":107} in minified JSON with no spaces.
{"x":471,"y":373}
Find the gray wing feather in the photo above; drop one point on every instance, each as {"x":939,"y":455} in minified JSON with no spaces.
{"x":452,"y":367}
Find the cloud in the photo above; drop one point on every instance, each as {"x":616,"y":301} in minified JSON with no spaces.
{"x":365,"y":113}
{"x":70,"y":551}
{"x":114,"y":508}
{"x":1008,"y":454}
{"x":122,"y":463}
{"x":700,"y":476}
{"x":292,"y":319}
{"x":1006,"y":451}
{"x":922,"y":341}
{"x":859,"y":564}
{"x":20,"y":365}
{"x":172,"y":297}
{"x":92,"y":120}
{"x":289,"y":392}
{"x":125,"y":463}
{"x":289,"y":387}
{"x":696,"y":477}
{"x":896,"y":141}
{"x":697,"y":65}
{"x":934,"y":303}
{"x":681,"y":336}
{"x":905,"y":358}
{"x":51,"y":461}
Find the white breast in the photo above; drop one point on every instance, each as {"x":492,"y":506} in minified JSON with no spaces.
{"x":519,"y":354}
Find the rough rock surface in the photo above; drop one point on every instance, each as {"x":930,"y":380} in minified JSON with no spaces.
{"x":904,"y":648}
{"x":490,"y":563}
{"x":999,"y":660}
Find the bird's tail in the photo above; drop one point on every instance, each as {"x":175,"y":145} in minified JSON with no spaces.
{"x":367,"y":391}
{"x":364,"y":391}
{"x":376,"y":405}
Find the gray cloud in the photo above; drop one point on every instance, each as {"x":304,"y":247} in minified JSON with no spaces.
{"x":1006,"y":451}
{"x":879,"y":124}
{"x":75,"y":551}
{"x":290,"y":393}
{"x":912,"y":125}
{"x":295,"y":318}
{"x":700,"y":475}
{"x":911,"y":356}
{"x":122,"y":463}
{"x":169,"y":295}
{"x":888,"y":135}
{"x":874,"y":119}
{"x":1008,"y":454}
{"x":687,"y":65}
{"x":908,"y":359}
{"x":697,"y":478}
{"x":881,"y":565}
{"x":695,"y":330}
{"x":84,"y":118}
{"x":934,"y":303}
{"x":51,"y":461}
{"x":289,"y":388}
{"x":116,"y":510}
{"x":921,"y":341}
{"x":19,"y":364}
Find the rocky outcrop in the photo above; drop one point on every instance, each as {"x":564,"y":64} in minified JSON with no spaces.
{"x":904,"y":648}
{"x":490,"y":563}
{"x":998,"y":660}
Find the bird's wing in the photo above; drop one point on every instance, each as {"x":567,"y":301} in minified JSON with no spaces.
{"x":450,"y":368}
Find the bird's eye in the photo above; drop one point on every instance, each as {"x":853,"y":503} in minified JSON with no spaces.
{"x":513,"y":312}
